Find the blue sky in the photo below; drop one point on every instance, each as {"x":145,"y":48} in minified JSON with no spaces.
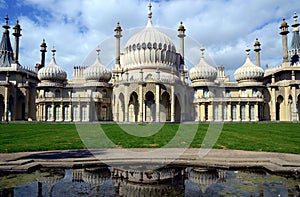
{"x":76,"y":27}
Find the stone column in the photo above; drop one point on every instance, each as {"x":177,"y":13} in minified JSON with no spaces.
{"x":26,"y":104}
{"x":79,"y":112}
{"x":44,"y":112}
{"x":197,"y":111}
{"x":202,"y":112}
{"x":182,"y":107}
{"x":256,"y":115}
{"x":220,"y":112}
{"x":294,"y":104}
{"x":238,"y":111}
{"x":53,"y":112}
{"x":6,"y":104}
{"x":211,"y":112}
{"x":126,"y":102}
{"x":172,"y":104}
{"x":70,"y":112}
{"x":157,"y":102}
{"x":273,"y":102}
{"x":229,"y":115}
{"x":61,"y":118}
{"x":88,"y":112}
{"x":247,"y":112}
{"x":141,"y":98}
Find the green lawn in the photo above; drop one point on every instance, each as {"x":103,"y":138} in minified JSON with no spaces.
{"x":274,"y":137}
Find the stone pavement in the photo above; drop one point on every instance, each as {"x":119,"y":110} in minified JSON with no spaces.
{"x":28,"y":161}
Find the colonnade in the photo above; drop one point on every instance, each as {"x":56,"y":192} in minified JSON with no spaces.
{"x":209,"y":111}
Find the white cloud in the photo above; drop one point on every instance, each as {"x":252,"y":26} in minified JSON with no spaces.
{"x":3,"y":4}
{"x":224,"y":28}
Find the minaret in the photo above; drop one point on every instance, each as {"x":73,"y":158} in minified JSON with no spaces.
{"x":257,"y":50}
{"x":284,"y":31}
{"x":181,"y":35}
{"x":17,"y":34}
{"x":43,"y":53}
{"x":296,"y":39}
{"x":118,"y":35}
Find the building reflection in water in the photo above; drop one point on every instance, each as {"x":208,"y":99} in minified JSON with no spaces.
{"x":160,"y":182}
{"x":140,"y":181}
{"x":205,"y":177}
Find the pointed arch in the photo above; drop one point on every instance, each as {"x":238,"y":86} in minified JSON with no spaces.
{"x":149,"y":107}
{"x":133,"y":107}
{"x":279,"y":107}
{"x":121,"y":108}
{"x":165,"y":113}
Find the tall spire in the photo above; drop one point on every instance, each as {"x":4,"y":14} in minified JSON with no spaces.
{"x":98,"y":50}
{"x":53,"y":55}
{"x":149,"y":14}
{"x":6,"y":52}
{"x":296,"y":38}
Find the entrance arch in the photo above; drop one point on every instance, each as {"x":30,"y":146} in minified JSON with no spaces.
{"x":279,"y":107}
{"x":165,"y":113}
{"x":149,"y":107}
{"x":133,"y":107}
{"x":121,"y":108}
{"x":177,"y":109}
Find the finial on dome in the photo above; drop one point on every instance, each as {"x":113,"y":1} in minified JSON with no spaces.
{"x":149,"y":14}
{"x":248,"y":51}
{"x":296,"y":24}
{"x":202,"y":52}
{"x":53,"y":51}
{"x":6,"y":26}
{"x":98,"y":50}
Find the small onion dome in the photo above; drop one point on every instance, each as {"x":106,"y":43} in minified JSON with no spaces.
{"x":203,"y":71}
{"x":248,"y":71}
{"x":284,"y":23}
{"x":97,"y":71}
{"x":52,"y":72}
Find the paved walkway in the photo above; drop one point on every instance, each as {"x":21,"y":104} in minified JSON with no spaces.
{"x":27,"y":161}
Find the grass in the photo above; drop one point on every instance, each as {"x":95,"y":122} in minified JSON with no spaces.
{"x":272,"y":137}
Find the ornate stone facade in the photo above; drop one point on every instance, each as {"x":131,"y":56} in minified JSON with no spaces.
{"x":150,"y":83}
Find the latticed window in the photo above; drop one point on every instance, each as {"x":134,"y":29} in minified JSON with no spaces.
{"x":233,"y":112}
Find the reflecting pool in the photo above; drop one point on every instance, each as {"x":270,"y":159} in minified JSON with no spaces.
{"x":139,"y":181}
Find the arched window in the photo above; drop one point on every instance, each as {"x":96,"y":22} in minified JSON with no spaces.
{"x":205,"y":93}
{"x":48,"y":113}
{"x":75,"y":113}
{"x":227,"y":93}
{"x":243,"y":112}
{"x":251,"y":112}
{"x":104,"y":113}
{"x":57,"y":112}
{"x":57,"y":93}
{"x":66,"y":113}
{"x":225,"y":113}
{"x":216,"y":112}
{"x":47,"y":93}
{"x":104,"y":93}
{"x":233,"y":112}
{"x":254,"y":93}
{"x":243,"y":94}
{"x":84,"y":114}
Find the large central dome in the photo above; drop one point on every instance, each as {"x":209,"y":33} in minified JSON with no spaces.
{"x":149,"y":47}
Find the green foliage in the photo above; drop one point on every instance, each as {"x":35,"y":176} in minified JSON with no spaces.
{"x":273,"y":137}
